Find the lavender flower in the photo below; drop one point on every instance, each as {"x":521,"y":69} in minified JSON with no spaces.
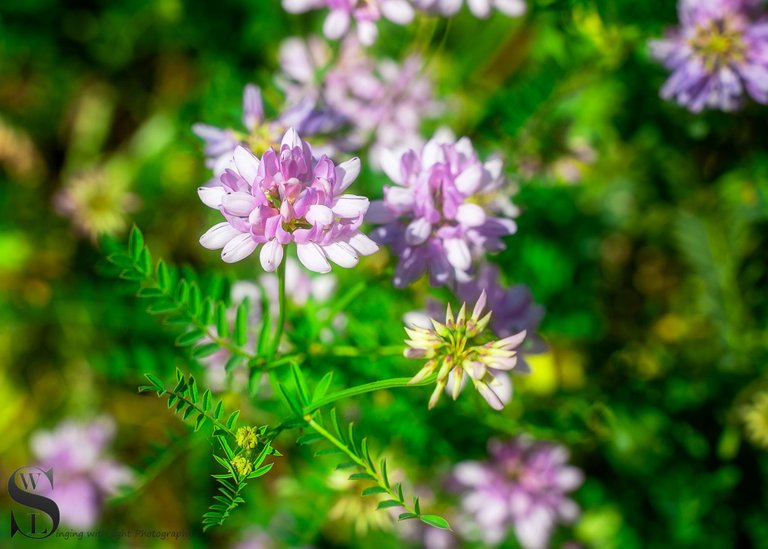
{"x":436,"y":218}
{"x":719,"y":51}
{"x":455,"y":349}
{"x":524,"y":486}
{"x":364,"y":13}
{"x":83,"y":475}
{"x":479,"y":8}
{"x":288,"y":196}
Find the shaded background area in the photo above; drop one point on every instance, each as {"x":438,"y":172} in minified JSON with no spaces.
{"x":642,"y":233}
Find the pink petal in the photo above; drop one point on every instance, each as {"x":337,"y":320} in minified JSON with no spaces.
{"x":469,"y":180}
{"x":397,"y":11}
{"x":470,"y":215}
{"x":247,"y":165}
{"x":336,"y":24}
{"x":457,"y":252}
{"x":418,"y":231}
{"x":346,"y":173}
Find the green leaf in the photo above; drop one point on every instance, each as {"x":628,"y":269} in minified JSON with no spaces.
{"x":301,"y":383}
{"x":162,"y":306}
{"x":436,"y":521}
{"x":195,"y":300}
{"x":163,"y":276}
{"x":232,"y":421}
{"x":193,"y":391}
{"x":199,"y":421}
{"x":155,"y":381}
{"x":241,"y":324}
{"x":202,"y":351}
{"x":181,"y":386}
{"x":406,"y":516}
{"x":361,"y":476}
{"x":373,"y":490}
{"x":206,"y":400}
{"x":150,"y":292}
{"x":261,"y":471}
{"x":135,"y":243}
{"x":328,"y":451}
{"x":347,"y":465}
{"x":322,"y":387}
{"x":190,"y":338}
{"x":217,"y":411}
{"x":309,"y":438}
{"x":292,"y":404}
{"x":384,"y":476}
{"x":386,"y":504}
{"x":145,"y":262}
{"x":222,"y":322}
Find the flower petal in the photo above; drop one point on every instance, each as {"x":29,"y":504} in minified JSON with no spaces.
{"x":247,"y":165}
{"x":271,"y":255}
{"x":211,"y":196}
{"x":238,"y":248}
{"x":217,"y":236}
{"x":240,"y":204}
{"x":313,"y":258}
{"x":336,"y":24}
{"x":418,"y":231}
{"x":342,"y":254}
{"x":322,"y":215}
{"x":346,"y":173}
{"x":363,"y":244}
{"x":470,"y":215}
{"x":457,"y":253}
{"x":397,"y":11}
{"x":350,"y":206}
{"x":469,"y":180}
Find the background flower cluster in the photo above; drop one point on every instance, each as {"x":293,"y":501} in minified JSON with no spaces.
{"x":605,"y":181}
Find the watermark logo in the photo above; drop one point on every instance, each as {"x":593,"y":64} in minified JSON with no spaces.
{"x":41,"y":518}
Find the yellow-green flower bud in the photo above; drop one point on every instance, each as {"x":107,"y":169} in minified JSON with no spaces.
{"x":247,"y":438}
{"x":242,"y":465}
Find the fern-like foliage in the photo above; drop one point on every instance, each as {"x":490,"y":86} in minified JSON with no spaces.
{"x":182,"y":303}
{"x":344,"y":442}
{"x":240,"y":464}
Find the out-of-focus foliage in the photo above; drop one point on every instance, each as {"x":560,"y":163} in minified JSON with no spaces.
{"x":642,"y":232}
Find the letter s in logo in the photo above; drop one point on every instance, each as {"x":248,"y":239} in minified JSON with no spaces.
{"x":21,"y":487}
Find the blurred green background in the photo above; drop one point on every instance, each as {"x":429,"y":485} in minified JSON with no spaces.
{"x":643,"y":233}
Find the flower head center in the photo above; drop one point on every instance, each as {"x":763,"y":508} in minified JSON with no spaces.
{"x":720,"y":43}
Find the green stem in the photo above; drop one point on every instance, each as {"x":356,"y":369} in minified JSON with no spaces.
{"x":367,"y":388}
{"x":281,"y":313}
{"x":366,"y":466}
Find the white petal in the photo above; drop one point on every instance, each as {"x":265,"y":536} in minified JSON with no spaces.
{"x":346,"y":173}
{"x":247,"y":165}
{"x":390,"y":163}
{"x":490,"y":397}
{"x":313,"y":258}
{"x":217,"y":236}
{"x":418,"y":231}
{"x":240,"y":204}
{"x":367,"y":32}
{"x":271,"y":255}
{"x":342,"y":254}
{"x":469,"y":180}
{"x":298,"y":6}
{"x":397,"y":11}
{"x":400,"y":197}
{"x":470,"y":215}
{"x":211,"y":196}
{"x":513,"y":8}
{"x":363,"y":244}
{"x":350,"y":206}
{"x":238,"y":248}
{"x":457,"y":253}
{"x":319,"y":214}
{"x":480,"y":8}
{"x":512,"y":341}
{"x":336,"y":24}
{"x":291,"y":138}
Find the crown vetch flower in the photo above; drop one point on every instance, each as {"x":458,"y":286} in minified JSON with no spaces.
{"x":524,"y":485}
{"x":456,"y":349}
{"x":288,"y":196}
{"x":437,"y":217}
{"x":364,"y":13}
{"x":719,"y":51}
{"x":85,"y":475}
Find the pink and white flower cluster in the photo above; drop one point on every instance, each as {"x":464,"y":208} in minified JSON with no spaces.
{"x":437,"y":217}
{"x":479,"y":8}
{"x":288,"y":196}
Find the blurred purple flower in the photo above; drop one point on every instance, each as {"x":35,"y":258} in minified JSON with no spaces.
{"x":719,"y":51}
{"x":382,"y":102}
{"x":288,"y":196}
{"x":436,"y":218}
{"x":83,"y":476}
{"x":364,"y":13}
{"x":479,"y":8}
{"x":524,"y":485}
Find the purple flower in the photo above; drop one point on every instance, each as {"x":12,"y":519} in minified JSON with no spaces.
{"x":288,"y":196}
{"x":381,"y":101}
{"x":479,"y":8}
{"x":83,"y":475}
{"x":365,"y":14}
{"x":436,"y":218}
{"x":259,"y":135}
{"x":719,"y":51}
{"x":524,"y":485}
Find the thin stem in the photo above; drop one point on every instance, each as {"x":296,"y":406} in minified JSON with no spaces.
{"x":367,"y":467}
{"x":368,"y":388}
{"x":281,"y":313}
